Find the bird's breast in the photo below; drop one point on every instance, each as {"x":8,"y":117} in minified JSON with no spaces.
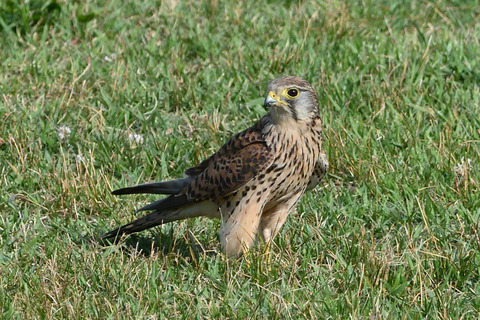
{"x":295,"y":155}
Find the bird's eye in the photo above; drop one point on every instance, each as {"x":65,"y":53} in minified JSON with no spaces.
{"x":292,"y":93}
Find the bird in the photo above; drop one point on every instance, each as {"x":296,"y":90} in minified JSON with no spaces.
{"x":254,"y":181}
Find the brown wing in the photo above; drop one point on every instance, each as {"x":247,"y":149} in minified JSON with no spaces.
{"x":237,"y":142}
{"x":199,"y":168}
{"x":236,"y":163}
{"x":321,"y":168}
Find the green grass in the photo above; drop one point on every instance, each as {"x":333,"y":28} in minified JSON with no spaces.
{"x":393,"y":233}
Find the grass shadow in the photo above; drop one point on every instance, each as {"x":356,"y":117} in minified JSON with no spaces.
{"x":187,"y":247}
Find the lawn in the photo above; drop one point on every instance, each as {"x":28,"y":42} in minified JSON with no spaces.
{"x":98,"y":95}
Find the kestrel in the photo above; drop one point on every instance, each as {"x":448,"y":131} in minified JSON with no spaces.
{"x":255,"y":180}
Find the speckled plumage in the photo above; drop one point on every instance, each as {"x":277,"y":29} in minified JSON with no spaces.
{"x":255,"y":180}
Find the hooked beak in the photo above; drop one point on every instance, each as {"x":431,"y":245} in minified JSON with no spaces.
{"x":271,"y":100}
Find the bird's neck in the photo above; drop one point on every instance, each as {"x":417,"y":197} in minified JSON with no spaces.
{"x":282,"y":120}
{"x":284,"y":125}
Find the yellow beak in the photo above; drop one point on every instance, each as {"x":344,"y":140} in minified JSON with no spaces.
{"x":273,"y":100}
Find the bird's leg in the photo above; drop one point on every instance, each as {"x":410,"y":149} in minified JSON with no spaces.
{"x":268,"y":255}
{"x":273,"y":220}
{"x":238,"y":230}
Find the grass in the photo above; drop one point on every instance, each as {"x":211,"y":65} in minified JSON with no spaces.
{"x":393,"y":233}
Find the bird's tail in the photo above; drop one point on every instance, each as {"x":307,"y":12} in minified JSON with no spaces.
{"x":166,"y":210}
{"x":150,"y":220}
{"x":163,"y":187}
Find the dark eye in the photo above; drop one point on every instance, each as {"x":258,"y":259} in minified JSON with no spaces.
{"x":292,"y":93}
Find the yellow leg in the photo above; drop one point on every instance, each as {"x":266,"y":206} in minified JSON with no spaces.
{"x":268,"y":255}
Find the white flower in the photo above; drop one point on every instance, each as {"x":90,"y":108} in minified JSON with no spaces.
{"x":79,"y":158}
{"x":462,"y":167}
{"x":137,"y":138}
{"x":110,"y":58}
{"x":63,"y":132}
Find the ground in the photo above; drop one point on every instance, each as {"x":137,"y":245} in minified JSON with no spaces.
{"x":97,"y":95}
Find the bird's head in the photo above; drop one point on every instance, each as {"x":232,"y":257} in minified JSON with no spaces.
{"x":291,"y":98}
